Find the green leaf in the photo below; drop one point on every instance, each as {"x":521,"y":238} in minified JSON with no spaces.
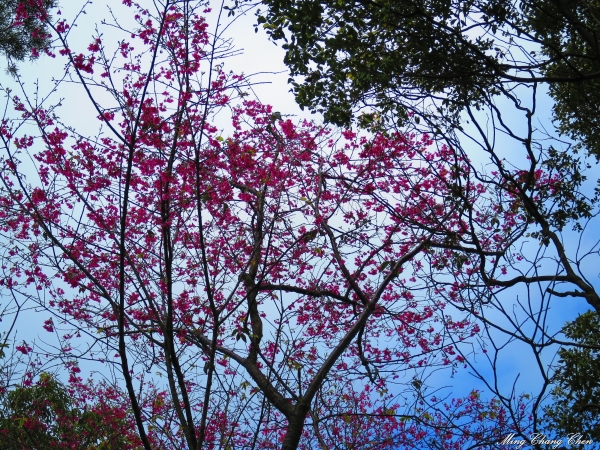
{"x":384,"y":265}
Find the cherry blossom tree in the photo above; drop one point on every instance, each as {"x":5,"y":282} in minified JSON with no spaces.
{"x":265,"y":284}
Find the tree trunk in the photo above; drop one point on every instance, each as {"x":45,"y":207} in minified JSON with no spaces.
{"x":294,"y":430}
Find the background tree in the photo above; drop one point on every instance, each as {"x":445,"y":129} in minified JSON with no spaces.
{"x":576,"y":388}
{"x":569,"y":32}
{"x":23,"y":28}
{"x":47,"y":414}
{"x":432,"y":58}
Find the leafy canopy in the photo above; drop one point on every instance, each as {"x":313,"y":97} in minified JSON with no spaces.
{"x":50,"y":415}
{"x":435,"y":57}
{"x":576,"y":395}
{"x":570,"y":32}
{"x":23,"y":29}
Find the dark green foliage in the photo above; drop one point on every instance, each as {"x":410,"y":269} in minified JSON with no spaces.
{"x":434,"y":57}
{"x":23,"y":29}
{"x":29,"y":417}
{"x":387,"y":53}
{"x":45,"y":415}
{"x":576,"y":395}
{"x":566,"y":203}
{"x":571,"y":31}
